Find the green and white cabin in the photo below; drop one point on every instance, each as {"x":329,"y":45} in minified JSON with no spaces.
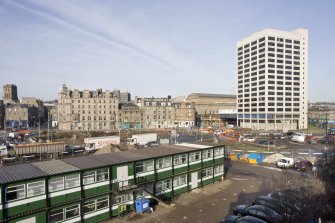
{"x":99,"y":187}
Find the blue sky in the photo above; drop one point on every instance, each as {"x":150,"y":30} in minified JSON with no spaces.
{"x":151,"y":48}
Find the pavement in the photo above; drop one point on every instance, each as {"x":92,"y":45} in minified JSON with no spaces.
{"x":243,"y":183}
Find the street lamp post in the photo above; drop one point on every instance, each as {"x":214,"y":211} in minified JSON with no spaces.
{"x":326,"y":123}
{"x":39,"y":129}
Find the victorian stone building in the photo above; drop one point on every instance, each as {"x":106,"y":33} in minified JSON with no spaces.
{"x":157,"y":112}
{"x":131,"y":116}
{"x":87,"y":110}
{"x":184,"y":114}
{"x":20,"y":116}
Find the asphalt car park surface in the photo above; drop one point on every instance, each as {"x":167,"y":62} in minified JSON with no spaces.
{"x":243,"y":183}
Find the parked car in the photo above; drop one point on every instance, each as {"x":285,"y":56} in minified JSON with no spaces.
{"x":303,"y":165}
{"x":259,"y":211}
{"x":284,"y":162}
{"x":311,"y":141}
{"x":278,"y":135}
{"x":249,"y":139}
{"x":263,"y":134}
{"x":242,"y":219}
{"x":265,"y":142}
{"x":272,"y":201}
{"x":326,"y":141}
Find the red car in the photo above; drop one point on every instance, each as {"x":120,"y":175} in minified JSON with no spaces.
{"x":303,"y":165}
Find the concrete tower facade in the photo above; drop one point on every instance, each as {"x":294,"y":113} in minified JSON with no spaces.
{"x":272,"y":80}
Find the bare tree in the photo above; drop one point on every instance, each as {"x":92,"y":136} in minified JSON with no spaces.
{"x":325,"y":171}
{"x":302,"y":196}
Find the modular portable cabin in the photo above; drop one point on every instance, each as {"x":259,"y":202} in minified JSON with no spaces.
{"x":98,"y":187}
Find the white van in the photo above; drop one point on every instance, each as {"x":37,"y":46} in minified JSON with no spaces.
{"x":3,"y":150}
{"x":284,"y":162}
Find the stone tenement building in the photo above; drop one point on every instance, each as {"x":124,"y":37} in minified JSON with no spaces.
{"x":131,"y":116}
{"x":97,"y":110}
{"x":158,"y":112}
{"x":184,"y":114}
{"x":87,"y":110}
{"x":21,"y":116}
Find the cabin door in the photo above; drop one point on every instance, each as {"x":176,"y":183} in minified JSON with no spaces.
{"x":194,"y":180}
{"x":122,"y":176}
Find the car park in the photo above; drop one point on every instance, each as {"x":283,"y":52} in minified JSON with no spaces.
{"x":259,"y":211}
{"x":242,"y":219}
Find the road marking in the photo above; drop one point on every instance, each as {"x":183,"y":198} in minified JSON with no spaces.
{"x":235,"y":178}
{"x":200,"y":210}
{"x":213,"y":204}
{"x":185,"y":218}
{"x":244,"y":190}
{"x":235,"y":194}
{"x":259,"y":182}
{"x":224,"y":199}
{"x":251,"y":186}
{"x":272,"y":168}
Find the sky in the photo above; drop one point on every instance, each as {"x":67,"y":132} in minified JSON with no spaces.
{"x":151,"y":47}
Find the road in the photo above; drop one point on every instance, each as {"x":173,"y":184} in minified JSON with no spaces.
{"x":212,"y":203}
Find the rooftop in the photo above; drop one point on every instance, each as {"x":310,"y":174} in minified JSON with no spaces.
{"x":208,"y":95}
{"x":18,"y":172}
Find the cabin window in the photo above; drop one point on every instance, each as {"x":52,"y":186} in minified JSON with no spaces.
{"x":72,"y":181}
{"x":207,"y":154}
{"x":102,"y":203}
{"x":218,"y":151}
{"x":102,"y":175}
{"x":180,"y":180}
{"x":95,"y":176}
{"x":163,"y":163}
{"x":67,"y":182}
{"x":56,"y":184}
{"x":207,"y":172}
{"x":180,"y":159}
{"x":56,"y":216}
{"x":88,"y":177}
{"x":15,"y":192}
{"x":163,"y":185}
{"x":122,"y":198}
{"x":218,"y":169}
{"x":194,"y":156}
{"x":36,"y":188}
{"x":144,"y":166}
{"x":72,"y":211}
{"x":89,"y":206}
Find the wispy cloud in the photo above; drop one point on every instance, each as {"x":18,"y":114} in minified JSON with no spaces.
{"x":146,"y":47}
